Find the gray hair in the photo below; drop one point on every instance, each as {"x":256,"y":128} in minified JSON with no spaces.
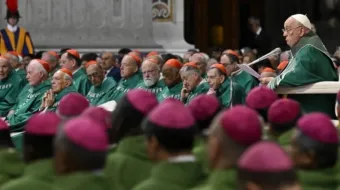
{"x":38,"y":66}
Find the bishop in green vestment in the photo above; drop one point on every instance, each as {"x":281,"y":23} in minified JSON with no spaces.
{"x":222,"y":142}
{"x":30,"y":98}
{"x":52,"y":58}
{"x":78,"y":160}
{"x":10,"y":87}
{"x":131,"y":76}
{"x":131,"y":153}
{"x":310,"y":63}
{"x":172,"y":80}
{"x":193,"y":83}
{"x":230,"y":61}
{"x":62,"y":84}
{"x":71,"y":60}
{"x":38,"y":153}
{"x":102,"y":89}
{"x":228,"y":92}
{"x":169,"y":144}
{"x":315,"y":153}
{"x":151,"y":77}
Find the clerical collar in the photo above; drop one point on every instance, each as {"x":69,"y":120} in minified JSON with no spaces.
{"x":182,"y":158}
{"x":12,"y":28}
{"x":258,"y":31}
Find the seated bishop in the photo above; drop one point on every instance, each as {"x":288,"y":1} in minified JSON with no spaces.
{"x":13,"y":37}
{"x":29,"y":99}
{"x":62,"y":84}
{"x":103,"y":88}
{"x":10,"y":86}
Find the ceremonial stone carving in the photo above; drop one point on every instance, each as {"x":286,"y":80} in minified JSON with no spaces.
{"x":87,"y":23}
{"x":162,"y":10}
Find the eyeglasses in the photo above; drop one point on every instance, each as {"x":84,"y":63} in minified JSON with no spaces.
{"x":290,"y":29}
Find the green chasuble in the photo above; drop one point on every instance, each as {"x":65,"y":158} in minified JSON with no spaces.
{"x":22,"y":74}
{"x":324,"y":179}
{"x":9,"y":91}
{"x":310,"y":63}
{"x":37,"y":175}
{"x":29,"y":101}
{"x":172,"y":92}
{"x":103,"y":93}
{"x":173,"y":176}
{"x":81,"y":82}
{"x":129,"y":164}
{"x":156,"y":89}
{"x":201,"y":88}
{"x":244,"y":79}
{"x":200,"y":152}
{"x":230,"y":93}
{"x":81,"y":181}
{"x":220,"y":179}
{"x":11,"y":166}
{"x":125,"y":85}
{"x":60,"y":95}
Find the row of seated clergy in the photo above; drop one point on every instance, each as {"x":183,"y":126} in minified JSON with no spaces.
{"x":39,"y":94}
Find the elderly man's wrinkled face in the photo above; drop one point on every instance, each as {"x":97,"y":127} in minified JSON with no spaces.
{"x":293,"y":32}
{"x":170,"y":75}
{"x":5,"y":69}
{"x":128,"y":67}
{"x":214,"y":78}
{"x":59,"y":82}
{"x":95,"y":74}
{"x":226,"y":62}
{"x":151,"y":73}
{"x":189,"y":79}
{"x":34,"y":74}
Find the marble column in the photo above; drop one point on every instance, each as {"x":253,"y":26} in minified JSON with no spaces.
{"x":87,"y":25}
{"x":168,"y":25}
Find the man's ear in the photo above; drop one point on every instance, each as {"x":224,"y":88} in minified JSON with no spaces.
{"x":222,"y":78}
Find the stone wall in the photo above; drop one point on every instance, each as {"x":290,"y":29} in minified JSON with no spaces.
{"x":99,"y":24}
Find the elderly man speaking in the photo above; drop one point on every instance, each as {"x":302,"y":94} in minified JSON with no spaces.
{"x":310,"y":63}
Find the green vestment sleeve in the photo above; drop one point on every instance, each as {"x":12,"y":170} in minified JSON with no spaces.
{"x":202,"y":88}
{"x":231,"y":93}
{"x":9,"y":91}
{"x":309,"y":65}
{"x":245,"y":80}
{"x":325,"y":179}
{"x":81,"y":181}
{"x":37,"y":175}
{"x":28,"y":103}
{"x":172,"y":92}
{"x":125,"y":85}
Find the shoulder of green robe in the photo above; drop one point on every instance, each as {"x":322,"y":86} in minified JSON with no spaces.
{"x":26,"y":183}
{"x":319,"y":179}
{"x":12,"y":164}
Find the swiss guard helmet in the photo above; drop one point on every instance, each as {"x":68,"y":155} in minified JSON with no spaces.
{"x":12,"y":9}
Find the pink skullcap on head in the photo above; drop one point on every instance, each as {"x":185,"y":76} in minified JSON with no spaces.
{"x":171,"y":114}
{"x":242,"y":125}
{"x":72,"y":104}
{"x":98,"y":114}
{"x":284,"y":111}
{"x":43,"y":124}
{"x":265,"y":157}
{"x":142,"y":100}
{"x":3,"y":125}
{"x":261,"y":97}
{"x":319,"y":127}
{"x":86,"y":133}
{"x":204,"y":106}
